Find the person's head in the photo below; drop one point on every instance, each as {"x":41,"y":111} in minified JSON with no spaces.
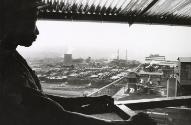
{"x":19,"y":21}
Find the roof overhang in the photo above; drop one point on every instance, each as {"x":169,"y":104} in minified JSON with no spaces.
{"x":165,"y":12}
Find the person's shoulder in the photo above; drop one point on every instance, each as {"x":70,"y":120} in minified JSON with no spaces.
{"x":4,"y":52}
{"x":6,"y":58}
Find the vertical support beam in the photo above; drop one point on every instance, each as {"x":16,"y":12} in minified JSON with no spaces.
{"x":176,"y":90}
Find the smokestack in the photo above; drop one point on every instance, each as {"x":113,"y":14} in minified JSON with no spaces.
{"x":68,"y":59}
{"x":126,"y":55}
{"x":118,"y":54}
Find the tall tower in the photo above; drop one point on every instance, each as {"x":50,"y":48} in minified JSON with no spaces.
{"x":118,"y":54}
{"x":126,"y":55}
{"x":68,"y":59}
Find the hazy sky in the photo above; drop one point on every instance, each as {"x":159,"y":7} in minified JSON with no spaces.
{"x":102,"y":40}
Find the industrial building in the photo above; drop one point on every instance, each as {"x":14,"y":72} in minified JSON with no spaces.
{"x":155,"y":58}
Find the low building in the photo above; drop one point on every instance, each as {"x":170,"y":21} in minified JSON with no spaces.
{"x":155,"y":58}
{"x":169,"y":63}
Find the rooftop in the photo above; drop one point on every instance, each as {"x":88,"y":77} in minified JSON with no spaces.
{"x":184,"y":59}
{"x":150,"y":73}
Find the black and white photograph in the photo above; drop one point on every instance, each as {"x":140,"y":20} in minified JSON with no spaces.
{"x":95,"y":62}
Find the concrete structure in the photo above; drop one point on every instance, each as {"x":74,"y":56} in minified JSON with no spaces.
{"x":171,"y":87}
{"x":132,"y":80}
{"x":68,"y":59}
{"x":183,"y":76}
{"x":132,"y":77}
{"x":184,"y":70}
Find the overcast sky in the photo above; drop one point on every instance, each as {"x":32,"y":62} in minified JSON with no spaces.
{"x":102,"y":40}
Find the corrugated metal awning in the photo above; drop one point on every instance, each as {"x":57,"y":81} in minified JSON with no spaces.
{"x":171,"y":12}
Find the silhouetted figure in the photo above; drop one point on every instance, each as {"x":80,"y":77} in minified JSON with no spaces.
{"x":22,"y":101}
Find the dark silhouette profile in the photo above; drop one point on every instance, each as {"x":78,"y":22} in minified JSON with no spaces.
{"x":22,"y":100}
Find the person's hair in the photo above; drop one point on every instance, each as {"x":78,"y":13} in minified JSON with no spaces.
{"x":1,"y":19}
{"x":10,"y":7}
{"x":19,"y":5}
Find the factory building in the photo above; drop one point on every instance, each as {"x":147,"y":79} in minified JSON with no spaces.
{"x":155,"y":58}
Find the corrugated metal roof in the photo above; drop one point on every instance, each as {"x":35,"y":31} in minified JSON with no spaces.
{"x":184,"y":59}
{"x":173,"y":12}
